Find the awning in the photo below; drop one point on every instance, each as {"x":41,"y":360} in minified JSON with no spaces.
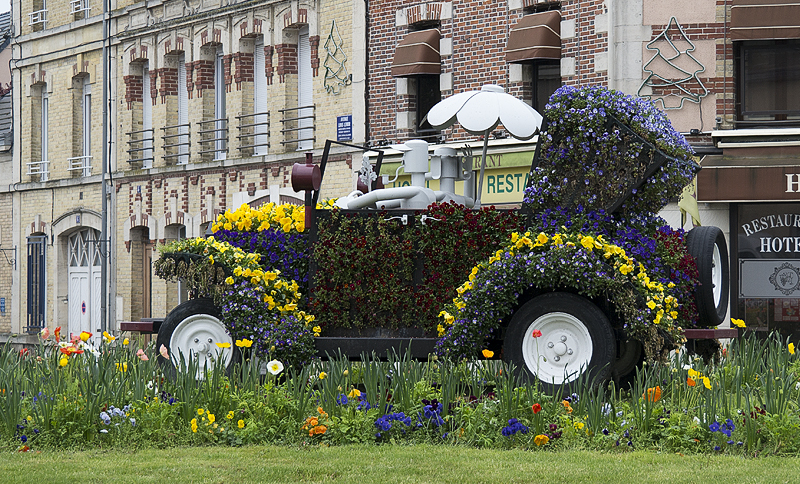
{"x":417,"y":53}
{"x":765,"y":19}
{"x":536,"y":36}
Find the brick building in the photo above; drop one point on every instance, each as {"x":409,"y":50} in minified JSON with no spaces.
{"x":725,"y":71}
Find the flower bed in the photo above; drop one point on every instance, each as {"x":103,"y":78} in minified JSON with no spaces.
{"x":81,"y":394}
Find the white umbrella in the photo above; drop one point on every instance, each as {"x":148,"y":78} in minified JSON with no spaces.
{"x":479,"y":112}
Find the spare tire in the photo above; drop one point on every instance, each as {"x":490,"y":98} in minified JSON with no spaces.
{"x":707,"y":246}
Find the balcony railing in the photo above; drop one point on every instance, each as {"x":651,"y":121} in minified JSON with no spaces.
{"x":304,"y":129}
{"x":140,"y":147}
{"x":77,"y":6}
{"x":41,"y":168}
{"x":252,"y":132}
{"x":38,"y":17}
{"x":177,"y":143}
{"x":83,"y":163}
{"x":217,"y":142}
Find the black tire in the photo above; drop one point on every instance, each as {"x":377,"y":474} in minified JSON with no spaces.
{"x":196,"y":319}
{"x":557,"y":315}
{"x":707,"y":246}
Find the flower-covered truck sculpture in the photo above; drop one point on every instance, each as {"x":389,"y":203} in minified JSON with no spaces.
{"x":585,"y":280}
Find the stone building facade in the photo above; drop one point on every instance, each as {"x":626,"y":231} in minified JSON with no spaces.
{"x":210,"y":105}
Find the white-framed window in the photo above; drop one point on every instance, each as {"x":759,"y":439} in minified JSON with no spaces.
{"x":260,"y":103}
{"x":41,"y":167}
{"x":183,"y":112}
{"x":38,"y":15}
{"x":220,"y":125}
{"x":86,"y":108}
{"x":147,"y":119}
{"x":305,"y":92}
{"x":79,"y":9}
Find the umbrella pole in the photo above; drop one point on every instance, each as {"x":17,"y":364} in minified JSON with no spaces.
{"x":483,"y":167}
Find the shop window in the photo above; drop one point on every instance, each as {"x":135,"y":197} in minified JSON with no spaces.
{"x":766,"y":271}
{"x":768,"y":82}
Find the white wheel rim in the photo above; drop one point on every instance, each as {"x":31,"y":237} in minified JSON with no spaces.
{"x":197,"y":336}
{"x":562,"y":352}
{"x":716,"y":275}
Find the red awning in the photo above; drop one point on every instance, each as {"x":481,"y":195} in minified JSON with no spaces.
{"x":418,"y":53}
{"x":765,"y":19}
{"x":536,"y":36}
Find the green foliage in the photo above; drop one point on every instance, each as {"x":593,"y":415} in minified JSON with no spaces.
{"x":366,"y":264}
{"x":107,"y":397}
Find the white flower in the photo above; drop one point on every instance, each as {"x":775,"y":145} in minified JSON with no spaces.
{"x":275,"y":367}
{"x":797,"y":386}
{"x":696,"y":420}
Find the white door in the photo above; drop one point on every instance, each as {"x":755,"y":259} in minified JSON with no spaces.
{"x":84,"y":282}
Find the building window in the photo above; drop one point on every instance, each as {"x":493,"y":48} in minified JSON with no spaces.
{"x":305,"y":92}
{"x":261,"y":106}
{"x":221,"y":123}
{"x":545,"y":80}
{"x":81,"y":162}
{"x":79,"y":8}
{"x":36,"y":283}
{"x":147,"y":120}
{"x":39,"y":165}
{"x":183,"y":113}
{"x":428,"y":94}
{"x":768,"y":82}
{"x":38,"y":16}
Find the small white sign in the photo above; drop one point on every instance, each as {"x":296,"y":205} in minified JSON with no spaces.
{"x":769,"y":278}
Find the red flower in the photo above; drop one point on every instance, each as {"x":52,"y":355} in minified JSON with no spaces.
{"x":57,"y":333}
{"x":536,"y":333}
{"x":536,"y":408}
{"x":23,"y":352}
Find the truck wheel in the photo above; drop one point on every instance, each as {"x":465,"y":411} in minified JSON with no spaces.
{"x":707,"y":245}
{"x":576,"y":339}
{"x":193,"y":328}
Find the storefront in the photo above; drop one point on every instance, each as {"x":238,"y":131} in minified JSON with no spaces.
{"x":762,"y":186}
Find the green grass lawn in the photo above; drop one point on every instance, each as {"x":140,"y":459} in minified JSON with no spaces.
{"x":387,"y":464}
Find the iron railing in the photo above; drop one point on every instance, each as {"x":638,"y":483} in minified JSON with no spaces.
{"x":138,"y":149}
{"x":83,"y":163}
{"x":300,"y":130}
{"x":177,"y":143}
{"x":41,"y":168}
{"x":252,"y":131}
{"x":219,"y":136}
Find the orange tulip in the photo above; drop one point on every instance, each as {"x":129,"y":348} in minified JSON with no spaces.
{"x":690,"y":381}
{"x":653,"y":394}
